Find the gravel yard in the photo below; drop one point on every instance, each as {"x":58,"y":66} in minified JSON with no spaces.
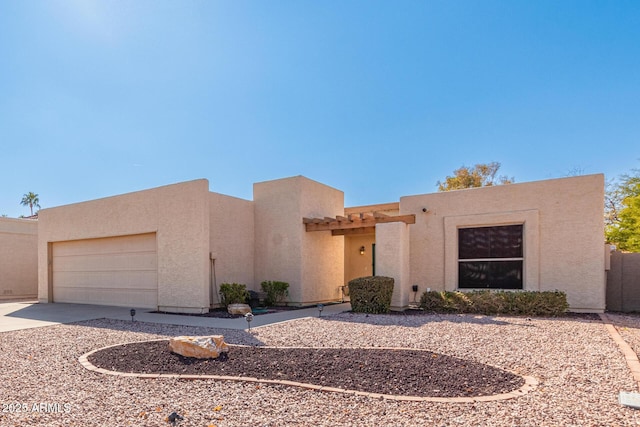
{"x":579,"y":368}
{"x":394,"y":372}
{"x":628,"y":326}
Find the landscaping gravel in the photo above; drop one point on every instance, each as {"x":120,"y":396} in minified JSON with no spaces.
{"x":382,"y":371}
{"x":580,"y":371}
{"x":628,"y":326}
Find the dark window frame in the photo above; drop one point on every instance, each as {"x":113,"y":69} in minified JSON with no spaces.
{"x":491,"y":257}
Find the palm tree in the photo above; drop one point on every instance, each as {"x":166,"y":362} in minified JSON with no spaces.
{"x":30,"y":199}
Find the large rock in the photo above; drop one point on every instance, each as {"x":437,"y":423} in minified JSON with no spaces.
{"x":239,"y":309}
{"x":199,"y":347}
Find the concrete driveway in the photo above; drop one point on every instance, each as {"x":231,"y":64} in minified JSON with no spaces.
{"x":29,"y":314}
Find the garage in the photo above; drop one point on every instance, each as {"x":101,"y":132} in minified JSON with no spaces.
{"x":119,"y":271}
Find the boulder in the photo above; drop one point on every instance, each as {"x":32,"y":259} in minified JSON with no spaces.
{"x":239,"y":309}
{"x":199,"y":347}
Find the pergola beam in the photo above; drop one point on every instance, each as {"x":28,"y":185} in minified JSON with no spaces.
{"x":352,"y":221}
{"x":353,"y":231}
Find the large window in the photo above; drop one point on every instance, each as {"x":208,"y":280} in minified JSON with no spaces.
{"x":490,"y":257}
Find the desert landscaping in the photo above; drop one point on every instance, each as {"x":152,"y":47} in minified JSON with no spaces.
{"x":579,"y":369}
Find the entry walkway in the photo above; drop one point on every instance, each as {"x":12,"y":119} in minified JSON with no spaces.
{"x":23,"y":315}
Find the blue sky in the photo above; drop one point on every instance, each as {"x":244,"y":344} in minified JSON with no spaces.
{"x":379,"y":99}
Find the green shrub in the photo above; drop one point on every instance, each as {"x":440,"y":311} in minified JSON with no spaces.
{"x":371,"y":294}
{"x":523,"y":303}
{"x":276,"y":291}
{"x":549,"y":303}
{"x":432,"y":301}
{"x":445,"y":302}
{"x":233,"y":293}
{"x":488,"y":302}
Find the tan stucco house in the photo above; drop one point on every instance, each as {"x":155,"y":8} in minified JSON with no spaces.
{"x":18,"y":258}
{"x":170,"y":248}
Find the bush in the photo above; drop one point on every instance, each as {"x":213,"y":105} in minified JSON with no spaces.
{"x":524,"y":303}
{"x":233,"y":293}
{"x":487,"y":302}
{"x":276,"y":292}
{"x":550,"y":303}
{"x":445,"y":302}
{"x":371,"y":294}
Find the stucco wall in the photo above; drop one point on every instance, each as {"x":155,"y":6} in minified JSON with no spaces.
{"x":265,"y":239}
{"x":563,"y":234}
{"x":323,"y":260}
{"x":178,"y":213}
{"x":312,"y":263}
{"x":232,"y":241}
{"x":18,"y":258}
{"x":356,"y":265}
{"x":393,"y":258}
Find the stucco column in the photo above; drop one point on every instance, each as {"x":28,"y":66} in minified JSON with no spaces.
{"x":392,"y":260}
{"x":311,"y":262}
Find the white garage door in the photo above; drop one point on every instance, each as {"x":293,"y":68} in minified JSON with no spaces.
{"x":120,"y":271}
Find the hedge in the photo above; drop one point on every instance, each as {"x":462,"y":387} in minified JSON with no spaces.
{"x":524,"y":303}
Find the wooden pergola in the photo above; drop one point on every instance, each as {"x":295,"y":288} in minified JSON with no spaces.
{"x":354,"y":223}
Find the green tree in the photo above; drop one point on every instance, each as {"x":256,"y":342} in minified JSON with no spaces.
{"x":622,"y":213}
{"x":481,"y":175}
{"x":30,"y":199}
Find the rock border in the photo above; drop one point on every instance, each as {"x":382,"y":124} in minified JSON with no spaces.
{"x":530,"y":382}
{"x":630,"y":356}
